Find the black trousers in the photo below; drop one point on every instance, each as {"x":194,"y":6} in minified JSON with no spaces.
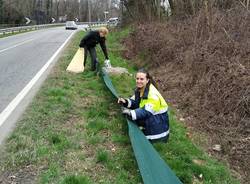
{"x":93,"y":56}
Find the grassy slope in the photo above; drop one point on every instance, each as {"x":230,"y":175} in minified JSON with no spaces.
{"x":74,"y":133}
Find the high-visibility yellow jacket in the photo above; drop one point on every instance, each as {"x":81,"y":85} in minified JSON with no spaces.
{"x":150,"y":111}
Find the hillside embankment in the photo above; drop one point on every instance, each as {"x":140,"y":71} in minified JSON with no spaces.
{"x":202,"y":66}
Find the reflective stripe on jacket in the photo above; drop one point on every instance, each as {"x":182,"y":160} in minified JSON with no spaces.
{"x":150,"y":111}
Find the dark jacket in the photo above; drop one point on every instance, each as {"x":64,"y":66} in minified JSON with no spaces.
{"x":92,"y":39}
{"x":150,"y":111}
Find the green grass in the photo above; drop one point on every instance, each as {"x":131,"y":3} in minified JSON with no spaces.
{"x":76,"y":180}
{"x":102,"y":156}
{"x":73,"y":132}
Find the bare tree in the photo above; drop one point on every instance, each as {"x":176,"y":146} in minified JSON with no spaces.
{"x":42,"y":11}
{"x":144,"y":10}
{"x":1,"y":12}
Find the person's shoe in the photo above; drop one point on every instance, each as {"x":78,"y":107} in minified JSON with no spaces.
{"x":97,"y":66}
{"x":93,"y":66}
{"x":93,"y":69}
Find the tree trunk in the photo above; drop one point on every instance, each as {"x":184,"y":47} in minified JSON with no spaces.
{"x":1,"y":12}
{"x":171,"y":3}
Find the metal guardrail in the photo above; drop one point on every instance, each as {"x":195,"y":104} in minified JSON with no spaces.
{"x":35,"y":27}
{"x":91,"y":23}
{"x":27,"y":28}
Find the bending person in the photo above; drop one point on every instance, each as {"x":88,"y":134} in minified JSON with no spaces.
{"x":89,"y":42}
{"x":148,"y":108}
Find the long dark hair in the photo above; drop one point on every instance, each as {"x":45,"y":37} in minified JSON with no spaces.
{"x":148,"y":76}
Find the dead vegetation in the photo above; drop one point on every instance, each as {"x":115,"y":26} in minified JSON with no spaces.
{"x":202,"y":65}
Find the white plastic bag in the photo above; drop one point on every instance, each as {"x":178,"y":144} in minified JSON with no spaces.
{"x":107,"y":63}
{"x":76,"y":64}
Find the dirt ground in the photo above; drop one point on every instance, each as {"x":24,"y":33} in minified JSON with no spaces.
{"x":202,"y":66}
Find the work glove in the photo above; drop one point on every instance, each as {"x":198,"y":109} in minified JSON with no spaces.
{"x":126,"y":111}
{"x":123,"y":102}
{"x":107,"y":63}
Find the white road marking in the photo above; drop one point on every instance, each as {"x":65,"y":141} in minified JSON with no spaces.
{"x":16,"y":45}
{"x":14,"y":103}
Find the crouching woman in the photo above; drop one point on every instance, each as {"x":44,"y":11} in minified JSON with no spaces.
{"x":148,"y":108}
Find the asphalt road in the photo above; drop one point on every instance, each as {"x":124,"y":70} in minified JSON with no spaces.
{"x":22,"y":57}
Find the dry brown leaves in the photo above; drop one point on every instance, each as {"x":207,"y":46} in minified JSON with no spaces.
{"x":202,"y":64}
